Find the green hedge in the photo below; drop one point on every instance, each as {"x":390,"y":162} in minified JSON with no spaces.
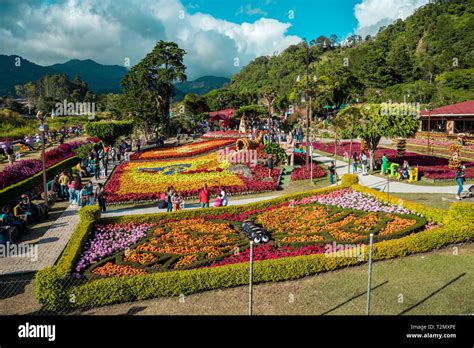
{"x":12,"y":191}
{"x":55,"y":287}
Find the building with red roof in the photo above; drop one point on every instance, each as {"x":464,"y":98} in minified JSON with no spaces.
{"x":450,"y":119}
{"x":221,"y":116}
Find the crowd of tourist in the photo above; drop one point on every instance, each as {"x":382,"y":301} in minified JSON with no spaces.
{"x":32,"y":142}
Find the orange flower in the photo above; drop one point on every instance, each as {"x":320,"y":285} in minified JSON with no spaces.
{"x":141,"y":258}
{"x":396,"y":225}
{"x":110,"y":269}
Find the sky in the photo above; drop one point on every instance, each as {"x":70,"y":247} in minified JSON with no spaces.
{"x":219,"y":36}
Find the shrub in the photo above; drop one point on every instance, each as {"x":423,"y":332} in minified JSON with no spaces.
{"x":15,"y":190}
{"x":275,"y":149}
{"x":349,"y":179}
{"x":108,"y":131}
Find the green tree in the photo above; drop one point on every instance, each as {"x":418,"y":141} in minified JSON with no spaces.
{"x":349,"y":119}
{"x":150,"y":84}
{"x":374,"y":123}
{"x":108,"y":131}
{"x":195,"y":104}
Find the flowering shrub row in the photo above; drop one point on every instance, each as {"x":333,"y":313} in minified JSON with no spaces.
{"x":24,"y":169}
{"x":431,"y":167}
{"x":180,"y":151}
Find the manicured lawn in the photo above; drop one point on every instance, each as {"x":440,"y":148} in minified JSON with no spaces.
{"x":438,"y":282}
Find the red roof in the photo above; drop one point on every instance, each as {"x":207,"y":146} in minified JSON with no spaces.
{"x":459,"y":109}
{"x":226,"y":113}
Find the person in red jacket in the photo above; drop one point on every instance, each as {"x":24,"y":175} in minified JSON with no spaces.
{"x":204,"y":197}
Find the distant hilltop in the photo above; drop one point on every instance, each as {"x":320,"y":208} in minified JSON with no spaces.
{"x":16,"y":70}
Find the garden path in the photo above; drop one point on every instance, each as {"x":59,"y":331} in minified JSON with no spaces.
{"x":380,"y":184}
{"x":153,"y":210}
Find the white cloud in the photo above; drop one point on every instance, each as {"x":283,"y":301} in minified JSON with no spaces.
{"x":372,"y":14}
{"x":109,"y":31}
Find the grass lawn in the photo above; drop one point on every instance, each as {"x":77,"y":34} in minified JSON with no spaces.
{"x":439,"y":282}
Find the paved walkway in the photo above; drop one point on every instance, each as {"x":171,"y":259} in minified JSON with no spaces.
{"x":380,"y":184}
{"x":187,"y":206}
{"x":36,"y":254}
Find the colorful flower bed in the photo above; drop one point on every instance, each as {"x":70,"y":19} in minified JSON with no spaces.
{"x":146,"y":180}
{"x":296,"y":227}
{"x":431,"y":167}
{"x":24,"y":169}
{"x":181,"y":151}
{"x":303,"y":173}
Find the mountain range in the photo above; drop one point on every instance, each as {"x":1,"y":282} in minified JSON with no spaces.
{"x":15,"y":70}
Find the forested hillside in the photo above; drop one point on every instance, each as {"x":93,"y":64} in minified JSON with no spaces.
{"x":427,"y":57}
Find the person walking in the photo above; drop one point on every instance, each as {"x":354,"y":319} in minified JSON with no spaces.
{"x":10,"y":155}
{"x":176,"y":201}
{"x":384,"y":164}
{"x":355,"y":161}
{"x":270,"y":164}
{"x":459,"y":177}
{"x":90,"y":193}
{"x":204,"y":197}
{"x":64,"y":182}
{"x":332,"y":172}
{"x":100,"y":196}
{"x":72,"y":192}
{"x":139,"y":144}
{"x":169,"y":195}
{"x":95,"y":167}
{"x":363,"y":162}
{"x":223,"y":197}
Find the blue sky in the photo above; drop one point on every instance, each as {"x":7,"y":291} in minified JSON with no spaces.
{"x":311,"y":17}
{"x":219,"y":36}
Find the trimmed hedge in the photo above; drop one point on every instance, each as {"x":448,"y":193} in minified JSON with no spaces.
{"x":55,"y":287}
{"x":12,"y":191}
{"x":52,"y":282}
{"x":349,"y":179}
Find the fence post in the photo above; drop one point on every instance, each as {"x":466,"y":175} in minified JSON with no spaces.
{"x":369,"y":283}
{"x":250,"y":277}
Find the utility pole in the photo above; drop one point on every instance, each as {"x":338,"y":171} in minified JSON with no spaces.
{"x":307,"y":105}
{"x":41,"y":117}
{"x":430,"y":108}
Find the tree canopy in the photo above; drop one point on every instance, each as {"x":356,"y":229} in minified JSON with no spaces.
{"x":149,"y":85}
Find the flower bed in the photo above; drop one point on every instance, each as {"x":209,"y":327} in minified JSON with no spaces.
{"x":55,"y":288}
{"x":297,"y":227}
{"x":145,"y":180}
{"x":24,"y":169}
{"x":181,"y":151}
{"x":431,"y":167}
